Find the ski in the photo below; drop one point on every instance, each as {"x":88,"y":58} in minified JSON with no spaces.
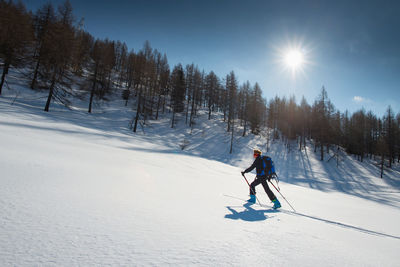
{"x":245,"y":201}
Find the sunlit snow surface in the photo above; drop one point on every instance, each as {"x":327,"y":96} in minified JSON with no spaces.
{"x":82,"y":189}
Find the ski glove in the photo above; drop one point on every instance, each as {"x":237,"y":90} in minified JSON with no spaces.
{"x":242,"y":173}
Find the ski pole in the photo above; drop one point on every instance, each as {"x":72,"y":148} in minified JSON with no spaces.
{"x":282,"y":195}
{"x":277,"y":180}
{"x":254,"y":193}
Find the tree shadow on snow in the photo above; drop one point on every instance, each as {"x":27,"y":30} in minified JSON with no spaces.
{"x":360,"y":179}
{"x":249,"y":214}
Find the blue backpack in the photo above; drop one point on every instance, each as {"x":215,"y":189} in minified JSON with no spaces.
{"x":269,"y":167}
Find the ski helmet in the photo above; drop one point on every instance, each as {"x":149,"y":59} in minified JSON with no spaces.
{"x":257,"y":152}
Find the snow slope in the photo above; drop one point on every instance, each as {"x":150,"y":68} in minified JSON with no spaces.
{"x":80,"y":189}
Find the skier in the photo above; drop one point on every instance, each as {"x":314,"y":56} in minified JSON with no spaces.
{"x":261,"y":178}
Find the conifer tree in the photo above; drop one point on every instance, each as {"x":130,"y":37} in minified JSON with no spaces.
{"x":177,"y":92}
{"x":304,"y":115}
{"x":16,"y":35}
{"x":95,"y":67}
{"x":390,"y":133}
{"x":44,"y":20}
{"x":196,"y":94}
{"x":257,"y":109}
{"x":163,"y":73}
{"x":244,"y":105}
{"x":84,"y":41}
{"x":58,"y":59}
{"x":320,"y":120}
{"x":212,"y":88}
{"x":231,"y":88}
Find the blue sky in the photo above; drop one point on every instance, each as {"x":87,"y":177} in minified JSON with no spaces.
{"x":351,"y":47}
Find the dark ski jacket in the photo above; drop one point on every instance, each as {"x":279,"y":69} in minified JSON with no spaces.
{"x":259,"y":164}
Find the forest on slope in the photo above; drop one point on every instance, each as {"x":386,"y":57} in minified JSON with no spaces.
{"x":51,"y":49}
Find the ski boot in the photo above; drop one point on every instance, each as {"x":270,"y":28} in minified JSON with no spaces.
{"x":277,"y":204}
{"x":252,"y":199}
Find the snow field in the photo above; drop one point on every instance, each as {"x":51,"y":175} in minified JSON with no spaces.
{"x":78,"y":189}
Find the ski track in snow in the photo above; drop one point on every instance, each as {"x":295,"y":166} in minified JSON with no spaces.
{"x":270,"y":210}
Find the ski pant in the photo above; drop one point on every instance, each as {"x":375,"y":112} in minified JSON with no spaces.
{"x":261,"y":180}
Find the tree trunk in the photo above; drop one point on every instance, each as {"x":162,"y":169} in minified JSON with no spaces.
{"x":109,"y":81}
{"x":93,"y":89}
{"x":53,"y":82}
{"x":35,"y":74}
{"x":91,"y":97}
{"x":3,"y":76}
{"x":382,"y":161}
{"x":300,"y":142}
{"x":126,"y":101}
{"x":137,"y":111}
{"x":230,"y":151}
{"x":187,"y":109}
{"x":151,"y":103}
{"x":129,"y":93}
{"x":322,"y":152}
{"x":173,"y":119}
{"x":163,"y":105}
{"x":158,"y":105}
{"x":192,"y":111}
{"x":145,"y":100}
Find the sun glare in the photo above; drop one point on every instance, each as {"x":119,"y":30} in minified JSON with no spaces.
{"x":294,"y":59}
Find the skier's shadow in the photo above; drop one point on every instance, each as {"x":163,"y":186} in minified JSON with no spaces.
{"x":249,"y":214}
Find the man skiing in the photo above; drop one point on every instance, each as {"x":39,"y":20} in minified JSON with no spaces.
{"x":261,"y":178}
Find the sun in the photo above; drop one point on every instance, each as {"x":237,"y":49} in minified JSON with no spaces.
{"x":294,"y":59}
{"x":293,"y":56}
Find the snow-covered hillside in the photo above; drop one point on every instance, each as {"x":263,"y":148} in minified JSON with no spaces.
{"x":81,"y":189}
